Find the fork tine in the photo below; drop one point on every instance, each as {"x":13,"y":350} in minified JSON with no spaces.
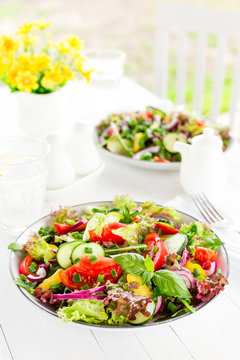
{"x":212,"y":207}
{"x":196,"y":202}
{"x":206,"y":209}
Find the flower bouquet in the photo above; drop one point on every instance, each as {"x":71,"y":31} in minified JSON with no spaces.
{"x":32,"y":66}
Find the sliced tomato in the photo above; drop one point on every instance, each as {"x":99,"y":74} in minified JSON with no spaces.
{"x":199,"y":123}
{"x":89,"y":272}
{"x":203,"y":254}
{"x":111,"y":132}
{"x":156,"y":250}
{"x":136,"y":218}
{"x":108,"y":235}
{"x":24,"y":265}
{"x":94,"y":237}
{"x":158,"y":159}
{"x":63,"y":228}
{"x":166,"y":228}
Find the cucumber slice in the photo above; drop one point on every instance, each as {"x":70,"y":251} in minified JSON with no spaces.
{"x":99,"y":220}
{"x":170,"y":139}
{"x":64,"y":253}
{"x":116,"y":147}
{"x":176,"y":243}
{"x":141,"y":319}
{"x":79,"y":251}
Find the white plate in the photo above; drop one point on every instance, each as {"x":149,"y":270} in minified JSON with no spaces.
{"x":149,"y":165}
{"x":16,"y":258}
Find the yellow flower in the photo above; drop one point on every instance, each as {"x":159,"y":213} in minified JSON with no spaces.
{"x":28,"y":40}
{"x":40,"y":62}
{"x":64,"y":47}
{"x":12,"y":75}
{"x":25,"y":28}
{"x":42,"y":24}
{"x":80,"y":64}
{"x":87,"y":74}
{"x":66,"y":71}
{"x":75,"y":42}
{"x":7,"y":44}
{"x":25,"y":60}
{"x":26,"y":81}
{"x":52,"y":78}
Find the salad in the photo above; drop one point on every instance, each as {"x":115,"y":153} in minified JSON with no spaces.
{"x":126,"y":263}
{"x":150,"y":135}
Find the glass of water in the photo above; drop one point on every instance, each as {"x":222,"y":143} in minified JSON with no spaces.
{"x":99,"y":94}
{"x":23,"y":171}
{"x":108,"y":65}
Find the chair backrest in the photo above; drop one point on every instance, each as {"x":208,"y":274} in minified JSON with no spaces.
{"x":202,"y":21}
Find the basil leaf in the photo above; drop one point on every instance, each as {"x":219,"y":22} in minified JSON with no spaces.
{"x":149,"y":263}
{"x":171,"y":284}
{"x":15,"y":247}
{"x":134,"y":264}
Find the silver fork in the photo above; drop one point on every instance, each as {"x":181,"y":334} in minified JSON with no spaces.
{"x":212,"y":216}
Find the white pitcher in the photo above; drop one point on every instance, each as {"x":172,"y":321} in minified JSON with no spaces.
{"x":203,"y":165}
{"x":82,"y":151}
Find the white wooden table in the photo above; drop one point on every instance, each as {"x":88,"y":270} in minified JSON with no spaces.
{"x":213,"y":332}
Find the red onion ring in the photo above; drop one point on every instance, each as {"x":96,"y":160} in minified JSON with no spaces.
{"x":188,"y":277}
{"x":185,"y":256}
{"x":209,"y":270}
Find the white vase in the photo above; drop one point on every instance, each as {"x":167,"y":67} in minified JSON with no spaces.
{"x":40,"y":114}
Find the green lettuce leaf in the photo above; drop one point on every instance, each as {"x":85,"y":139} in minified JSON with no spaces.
{"x":135,"y":232}
{"x":121,"y":201}
{"x":150,"y":208}
{"x":38,"y":248}
{"x":63,"y":214}
{"x":90,"y":311}
{"x":115,"y":319}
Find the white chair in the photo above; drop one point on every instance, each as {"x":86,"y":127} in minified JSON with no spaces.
{"x":202,"y":21}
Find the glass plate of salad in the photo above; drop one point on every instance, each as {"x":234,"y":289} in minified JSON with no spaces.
{"x":146,"y":138}
{"x":119,"y":264}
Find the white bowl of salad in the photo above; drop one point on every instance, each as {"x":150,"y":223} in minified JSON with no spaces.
{"x":146,"y":138}
{"x":119,"y":264}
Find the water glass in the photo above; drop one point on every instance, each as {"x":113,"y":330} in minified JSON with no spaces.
{"x":108,"y":65}
{"x":23,"y":171}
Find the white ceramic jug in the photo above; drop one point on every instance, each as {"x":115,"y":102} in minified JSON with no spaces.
{"x":61,"y":172}
{"x":82,"y":151}
{"x":203,"y":166}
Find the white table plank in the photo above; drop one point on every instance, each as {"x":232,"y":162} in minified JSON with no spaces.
{"x":121,"y":345}
{"x":163,"y":340}
{"x":5,"y":351}
{"x":208,"y":332}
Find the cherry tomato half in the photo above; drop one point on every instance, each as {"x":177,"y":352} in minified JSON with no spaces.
{"x":166,"y":228}
{"x":108,"y":235}
{"x":63,"y":228}
{"x":89,"y":272}
{"x":203,"y":254}
{"x":156,"y":250}
{"x":24,"y":265}
{"x":158,"y":159}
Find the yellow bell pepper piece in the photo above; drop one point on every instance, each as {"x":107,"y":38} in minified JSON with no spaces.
{"x":53,"y":247}
{"x":54,"y":279}
{"x":137,"y":137}
{"x":142,"y":290}
{"x":191,"y":266}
